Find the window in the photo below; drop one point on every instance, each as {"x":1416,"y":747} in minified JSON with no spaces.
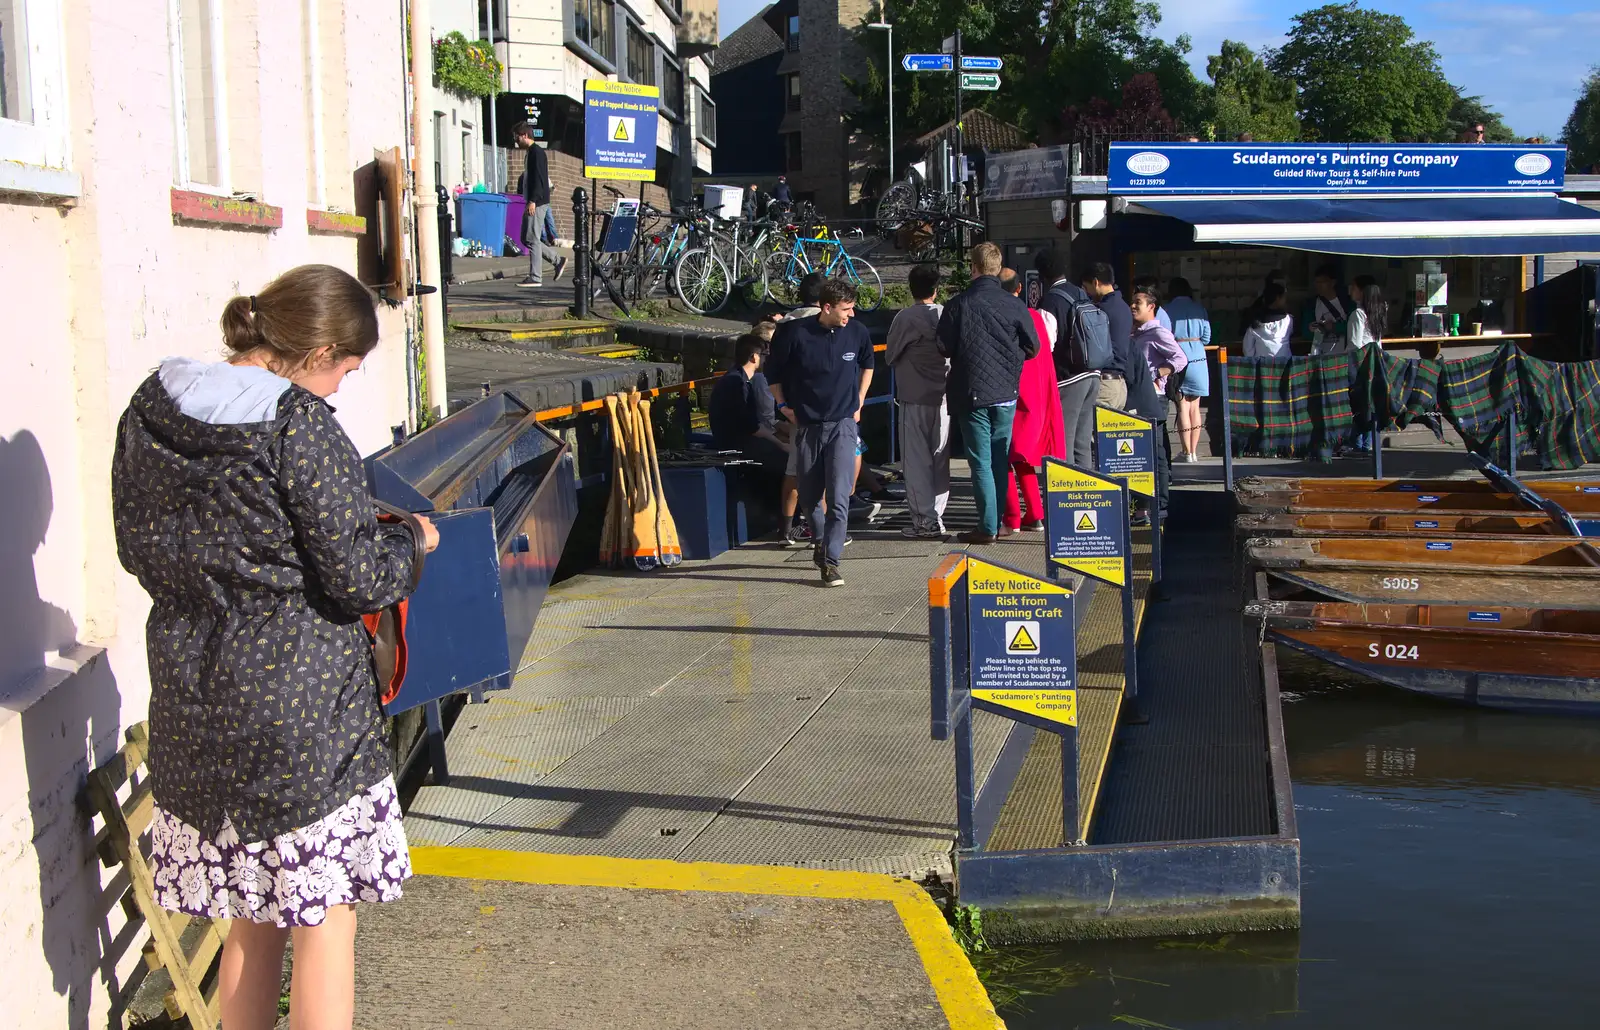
{"x":199,"y":94}
{"x":33,"y":118}
{"x":792,"y":151}
{"x":593,"y":22}
{"x":641,"y":57}
{"x":793,"y":41}
{"x":327,"y":107}
{"x":671,"y":87}
{"x":793,"y":98}
{"x":706,"y":119}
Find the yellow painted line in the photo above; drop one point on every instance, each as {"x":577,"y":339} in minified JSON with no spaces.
{"x":965,"y":1003}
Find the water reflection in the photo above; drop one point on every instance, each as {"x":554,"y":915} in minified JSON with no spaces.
{"x":1448,"y":879}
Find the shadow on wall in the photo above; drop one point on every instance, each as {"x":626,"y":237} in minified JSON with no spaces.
{"x":68,"y":715}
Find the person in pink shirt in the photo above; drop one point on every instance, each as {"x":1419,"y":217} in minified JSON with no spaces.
{"x":1037,"y":429}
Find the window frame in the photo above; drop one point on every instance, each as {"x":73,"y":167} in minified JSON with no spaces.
{"x":605,"y":62}
{"x":702,"y":102}
{"x":318,"y":127}
{"x":791,"y":34}
{"x":219,"y":106}
{"x":35,"y":156}
{"x":669,"y":60}
{"x":630,"y":29}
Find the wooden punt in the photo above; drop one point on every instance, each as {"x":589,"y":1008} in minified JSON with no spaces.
{"x":1553,"y":488}
{"x":1531,"y":555}
{"x":1365,"y":524}
{"x":1528,"y":659}
{"x":1406,"y":502}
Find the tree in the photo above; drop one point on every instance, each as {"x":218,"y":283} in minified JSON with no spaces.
{"x":1363,"y":76}
{"x":1582,"y":131}
{"x":1057,"y":53}
{"x":1248,"y":98}
{"x":1466,"y":112}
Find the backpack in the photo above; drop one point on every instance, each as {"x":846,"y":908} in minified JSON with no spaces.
{"x":1089,"y":342}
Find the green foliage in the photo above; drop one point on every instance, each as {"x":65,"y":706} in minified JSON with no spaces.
{"x":1248,"y":98}
{"x":1363,"y":76}
{"x":966,"y":925}
{"x":1012,"y":974}
{"x":466,"y":68}
{"x":1469,"y":111}
{"x":960,"y":278}
{"x":1582,"y":131}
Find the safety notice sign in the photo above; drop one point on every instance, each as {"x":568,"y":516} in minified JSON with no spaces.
{"x":619,"y":130}
{"x":1022,"y":646}
{"x":1125,"y":448}
{"x":1085,"y":522}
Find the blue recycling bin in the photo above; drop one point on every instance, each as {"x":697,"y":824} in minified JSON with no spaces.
{"x":483,"y":218}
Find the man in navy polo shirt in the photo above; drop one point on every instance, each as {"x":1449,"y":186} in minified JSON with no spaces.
{"x":819,"y":372}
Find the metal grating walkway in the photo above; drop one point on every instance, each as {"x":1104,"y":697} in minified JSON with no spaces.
{"x":1199,"y":769}
{"x":729,"y":710}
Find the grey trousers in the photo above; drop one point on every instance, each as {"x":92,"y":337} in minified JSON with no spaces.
{"x":1077,"y":417}
{"x":534,"y":241}
{"x":925,"y":459}
{"x":825,"y":461}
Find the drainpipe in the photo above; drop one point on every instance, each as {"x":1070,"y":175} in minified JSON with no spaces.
{"x":425,"y":217}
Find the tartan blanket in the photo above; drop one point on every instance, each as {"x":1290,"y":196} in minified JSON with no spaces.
{"x":1559,"y":408}
{"x":1290,"y":408}
{"x":1401,"y":389}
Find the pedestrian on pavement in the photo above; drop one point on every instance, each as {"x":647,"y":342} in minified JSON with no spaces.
{"x":796,"y":527}
{"x":781,"y":194}
{"x":751,"y":207}
{"x":1191,"y":327}
{"x":1037,"y":430}
{"x":820,"y":371}
{"x":1329,"y":313}
{"x":242,"y":507}
{"x":1155,"y":358}
{"x":1150,"y":282}
{"x":1081,"y":331}
{"x":987,"y":334}
{"x":742,"y":413}
{"x":1369,"y":317}
{"x":1268,"y":325}
{"x":1100,"y":283}
{"x":536,"y":191}
{"x":920,"y":376}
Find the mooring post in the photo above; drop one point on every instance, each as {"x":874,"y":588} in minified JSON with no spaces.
{"x":1227,"y":422}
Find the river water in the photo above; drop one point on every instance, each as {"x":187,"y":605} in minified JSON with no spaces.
{"x":1450,"y":877}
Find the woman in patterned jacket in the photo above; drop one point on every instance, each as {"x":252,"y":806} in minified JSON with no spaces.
{"x":242,"y":507}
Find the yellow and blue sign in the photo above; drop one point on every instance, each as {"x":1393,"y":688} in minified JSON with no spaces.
{"x":1333,"y":168}
{"x":1022,"y":646}
{"x":1125,"y":448}
{"x":1086,"y":522}
{"x":619,"y":130}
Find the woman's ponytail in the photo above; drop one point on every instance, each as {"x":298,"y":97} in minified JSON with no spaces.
{"x":239,"y":330}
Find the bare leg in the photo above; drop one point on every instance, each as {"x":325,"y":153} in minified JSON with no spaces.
{"x":324,"y":991}
{"x":791,"y":499}
{"x":1191,"y":434}
{"x":251,"y":975}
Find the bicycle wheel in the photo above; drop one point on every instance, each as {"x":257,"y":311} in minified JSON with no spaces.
{"x":702,"y":281}
{"x":895,"y":205}
{"x":784,"y":272}
{"x":869,"y":285}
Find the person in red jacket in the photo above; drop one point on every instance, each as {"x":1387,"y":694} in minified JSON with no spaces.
{"x":1038,"y":429}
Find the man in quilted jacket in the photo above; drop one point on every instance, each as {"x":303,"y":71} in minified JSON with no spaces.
{"x":987,"y":334}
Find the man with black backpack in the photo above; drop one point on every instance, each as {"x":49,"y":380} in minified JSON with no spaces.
{"x":1083,"y":337}
{"x":1116,"y":381}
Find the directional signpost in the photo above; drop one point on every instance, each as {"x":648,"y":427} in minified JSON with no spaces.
{"x":1086,"y":530}
{"x":927,"y":62}
{"x":1023,"y":662}
{"x":1125,"y":448}
{"x":980,"y":81}
{"x":980,"y":64}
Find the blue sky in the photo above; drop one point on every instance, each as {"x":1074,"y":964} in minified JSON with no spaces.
{"x":1526,"y":61}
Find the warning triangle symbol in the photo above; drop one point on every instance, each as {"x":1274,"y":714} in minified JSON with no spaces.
{"x":1022,"y":642}
{"x":1124,"y":447}
{"x":621,"y":135}
{"x":1086,"y":523}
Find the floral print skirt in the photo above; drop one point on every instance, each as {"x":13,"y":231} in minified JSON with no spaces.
{"x":355,"y":853}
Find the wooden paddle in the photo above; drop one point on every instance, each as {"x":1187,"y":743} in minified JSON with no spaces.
{"x":616,"y":503}
{"x":666,"y":528}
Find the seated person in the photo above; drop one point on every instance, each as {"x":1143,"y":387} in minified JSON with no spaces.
{"x":742,"y":411}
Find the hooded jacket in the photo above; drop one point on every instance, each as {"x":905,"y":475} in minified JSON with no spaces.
{"x":1269,"y":339}
{"x":242,"y":507}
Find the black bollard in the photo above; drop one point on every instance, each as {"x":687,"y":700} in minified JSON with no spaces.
{"x":580,"y":252}
{"x":446,"y":240}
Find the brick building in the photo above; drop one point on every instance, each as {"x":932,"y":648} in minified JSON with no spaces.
{"x":808,"y":47}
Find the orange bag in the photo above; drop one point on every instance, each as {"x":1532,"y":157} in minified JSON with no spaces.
{"x":387,"y":628}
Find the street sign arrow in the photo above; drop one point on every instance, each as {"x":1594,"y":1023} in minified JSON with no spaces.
{"x":927,"y":62}
{"x":980,"y":64}
{"x":980,"y":80}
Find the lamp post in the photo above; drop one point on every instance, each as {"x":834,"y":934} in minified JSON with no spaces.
{"x":889,"y":70}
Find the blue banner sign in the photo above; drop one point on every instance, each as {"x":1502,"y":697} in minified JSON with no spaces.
{"x":1022,"y":646}
{"x":1086,"y":522}
{"x":928,"y":62}
{"x":619,"y":130}
{"x":980,"y":64}
{"x":1125,"y":448}
{"x":1302,"y":168}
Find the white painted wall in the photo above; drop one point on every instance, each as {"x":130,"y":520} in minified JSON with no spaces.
{"x":94,"y":296}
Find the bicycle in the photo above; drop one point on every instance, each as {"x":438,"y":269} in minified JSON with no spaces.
{"x":701,"y":283}
{"x":785,"y":269}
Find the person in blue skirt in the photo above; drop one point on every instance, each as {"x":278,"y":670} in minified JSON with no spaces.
{"x":1191,"y":327}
